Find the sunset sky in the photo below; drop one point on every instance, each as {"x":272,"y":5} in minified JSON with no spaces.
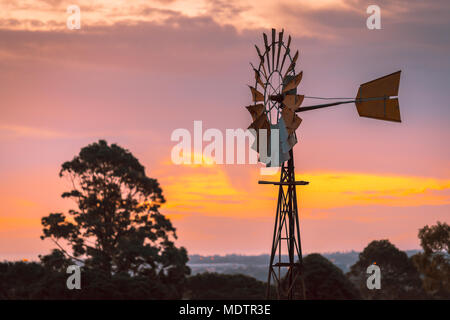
{"x":137,"y":70}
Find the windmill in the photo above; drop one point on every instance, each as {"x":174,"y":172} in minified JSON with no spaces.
{"x":275,"y":106}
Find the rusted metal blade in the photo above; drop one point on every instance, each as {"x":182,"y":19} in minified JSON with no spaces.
{"x":291,"y":120}
{"x":265,"y":72}
{"x":261,"y":57}
{"x":293,"y":83}
{"x":259,"y":54}
{"x":273,"y":48}
{"x":286,"y":53}
{"x":280,"y":41}
{"x":256,"y":95}
{"x":255,"y":110}
{"x":258,"y":79}
{"x":257,"y":70}
{"x":260,"y":123}
{"x":293,"y":101}
{"x":261,"y":60}
{"x":292,"y":65}
{"x":266,"y":44}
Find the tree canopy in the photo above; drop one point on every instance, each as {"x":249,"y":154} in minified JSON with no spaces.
{"x":399,"y":277}
{"x":323,"y":281}
{"x":434,"y":262}
{"x":116,"y":227}
{"x":216,"y":286}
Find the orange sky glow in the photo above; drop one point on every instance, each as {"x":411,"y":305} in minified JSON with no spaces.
{"x":137,"y":70}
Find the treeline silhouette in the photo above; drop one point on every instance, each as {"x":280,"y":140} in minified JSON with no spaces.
{"x":125,"y":249}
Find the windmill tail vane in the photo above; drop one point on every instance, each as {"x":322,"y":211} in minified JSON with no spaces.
{"x":375,"y":99}
{"x":276,"y":105}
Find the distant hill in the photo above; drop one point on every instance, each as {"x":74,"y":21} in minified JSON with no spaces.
{"x":256,"y":266}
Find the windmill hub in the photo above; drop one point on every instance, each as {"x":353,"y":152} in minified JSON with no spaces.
{"x":277,"y":97}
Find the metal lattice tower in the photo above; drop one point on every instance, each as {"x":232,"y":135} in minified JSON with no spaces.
{"x":286,"y":237}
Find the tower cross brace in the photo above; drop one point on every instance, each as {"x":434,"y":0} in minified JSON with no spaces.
{"x":286,"y":236}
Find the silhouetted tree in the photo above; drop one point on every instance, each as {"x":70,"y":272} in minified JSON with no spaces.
{"x":18,"y":279}
{"x":216,"y":286}
{"x":323,"y":281}
{"x":116,"y":228}
{"x":434,"y":262}
{"x":399,"y":277}
{"x":31,"y":280}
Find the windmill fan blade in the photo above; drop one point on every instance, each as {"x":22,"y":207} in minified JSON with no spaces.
{"x":292,"y":84}
{"x":258,"y":79}
{"x":259,"y":54}
{"x":256,"y":95}
{"x":373,"y":100}
{"x":264,"y":72}
{"x":291,"y":120}
{"x":293,"y":101}
{"x":273,"y":47}
{"x":266,"y":44}
{"x":286,"y":53}
{"x":292,"y":65}
{"x":280,"y":40}
{"x":260,"y":123}
{"x":294,"y":60}
{"x":295,"y":124}
{"x":255,"y":110}
{"x":261,"y":57}
{"x":292,"y":140}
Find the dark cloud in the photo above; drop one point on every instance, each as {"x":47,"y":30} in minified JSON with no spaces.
{"x":149,"y":11}
{"x":181,"y":45}
{"x":5,"y":23}
{"x":225,"y":8}
{"x":405,"y":22}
